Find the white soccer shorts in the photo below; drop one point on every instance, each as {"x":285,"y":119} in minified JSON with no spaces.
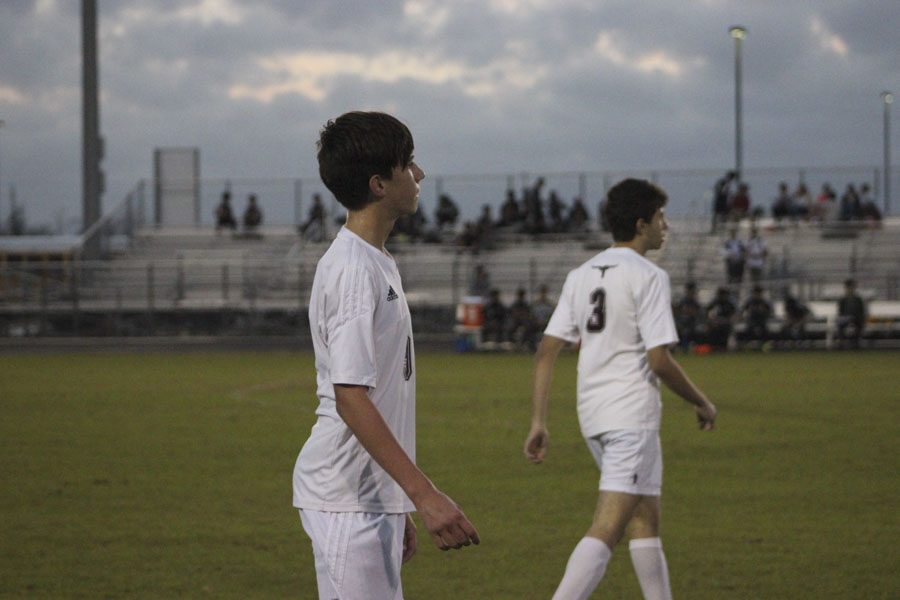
{"x":630,"y":461}
{"x":357,"y":554}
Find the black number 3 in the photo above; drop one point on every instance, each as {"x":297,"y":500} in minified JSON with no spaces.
{"x":597,"y":320}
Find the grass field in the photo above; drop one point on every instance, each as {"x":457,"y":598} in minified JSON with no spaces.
{"x":168,"y":475}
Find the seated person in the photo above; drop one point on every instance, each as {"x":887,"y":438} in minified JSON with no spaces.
{"x":224,"y":214}
{"x":851,"y":315}
{"x":720,"y":316}
{"x":756,"y":312}
{"x":495,"y":314}
{"x":688,"y":316}
{"x":796,"y":315}
{"x":314,"y":228}
{"x":522,"y":324}
{"x":252,"y":215}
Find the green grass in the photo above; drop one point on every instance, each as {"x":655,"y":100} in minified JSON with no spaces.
{"x":168,"y":475}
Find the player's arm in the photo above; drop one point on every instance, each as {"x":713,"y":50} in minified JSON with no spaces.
{"x":448,"y":526}
{"x":544,"y":360}
{"x":670,"y":372}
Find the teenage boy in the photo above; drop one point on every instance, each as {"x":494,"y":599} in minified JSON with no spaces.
{"x":355,"y":480}
{"x":618,"y":306}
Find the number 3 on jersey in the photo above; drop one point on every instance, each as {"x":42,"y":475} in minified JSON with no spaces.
{"x":597,"y":321}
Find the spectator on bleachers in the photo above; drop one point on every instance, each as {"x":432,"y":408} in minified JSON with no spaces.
{"x":870,"y":210}
{"x":757,"y":252}
{"x":486,"y":228}
{"x":509,"y":210}
{"x":480,"y":283}
{"x":224,"y":214}
{"x":722,"y":191}
{"x":851,"y":316}
{"x":543,"y":308}
{"x":739,"y":203}
{"x":578,"y":216}
{"x":825,"y":210}
{"x":314,"y":227}
{"x":556,"y":210}
{"x":495,"y":316}
{"x":735,"y":258}
{"x":803,"y":203}
{"x":688,"y":317}
{"x":782,"y":206}
{"x":601,"y":217}
{"x":756,"y":313}
{"x":252,"y":215}
{"x":522,"y":325}
{"x":720,"y":316}
{"x":534,"y":209}
{"x":446,"y":213}
{"x":796,"y":315}
{"x":850,"y":206}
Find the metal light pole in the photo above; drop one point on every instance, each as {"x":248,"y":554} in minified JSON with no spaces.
{"x":888,"y":99}
{"x":91,"y":144}
{"x":738,"y":33}
{"x":2,"y":123}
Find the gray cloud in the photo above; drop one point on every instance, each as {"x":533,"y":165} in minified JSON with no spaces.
{"x":548,"y":86}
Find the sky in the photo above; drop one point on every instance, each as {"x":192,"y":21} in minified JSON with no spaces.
{"x":496,"y":87}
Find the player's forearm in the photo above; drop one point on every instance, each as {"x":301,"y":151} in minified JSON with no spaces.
{"x":671,"y":374}
{"x":544,"y":361}
{"x":356,"y":409}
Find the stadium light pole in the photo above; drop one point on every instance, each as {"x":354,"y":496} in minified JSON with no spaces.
{"x":888,"y":99}
{"x":2,"y":123}
{"x":738,"y":33}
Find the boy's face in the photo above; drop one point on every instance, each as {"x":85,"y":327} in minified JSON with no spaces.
{"x":402,"y":189}
{"x":656,"y":230}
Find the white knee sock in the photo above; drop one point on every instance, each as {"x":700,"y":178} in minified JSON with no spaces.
{"x":584,"y":570}
{"x":650,"y":565}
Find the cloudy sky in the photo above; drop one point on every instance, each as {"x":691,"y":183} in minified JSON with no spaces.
{"x":487,"y":86}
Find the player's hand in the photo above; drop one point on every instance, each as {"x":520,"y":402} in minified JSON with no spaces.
{"x":536,"y":444}
{"x":706,"y":416}
{"x":446,"y":522}
{"x":410,"y":541}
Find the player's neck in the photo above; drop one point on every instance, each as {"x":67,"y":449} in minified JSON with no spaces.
{"x":637,"y":243}
{"x":370,"y":225}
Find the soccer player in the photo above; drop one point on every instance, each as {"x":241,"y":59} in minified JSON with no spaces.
{"x":618,"y":306}
{"x":355,"y":480}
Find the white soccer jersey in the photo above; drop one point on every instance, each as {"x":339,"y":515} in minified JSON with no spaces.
{"x":362,"y":335}
{"x":618,"y":305}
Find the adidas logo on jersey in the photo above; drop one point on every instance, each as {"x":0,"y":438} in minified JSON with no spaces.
{"x":392,"y":295}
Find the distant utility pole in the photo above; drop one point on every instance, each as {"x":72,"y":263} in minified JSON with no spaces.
{"x":91,"y":142}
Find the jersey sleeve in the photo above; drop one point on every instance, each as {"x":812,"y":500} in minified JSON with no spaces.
{"x":350,"y":329}
{"x":563,"y":324}
{"x":654,"y":314}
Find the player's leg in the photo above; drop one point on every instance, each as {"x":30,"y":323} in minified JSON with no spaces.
{"x":360,"y":554}
{"x":645,"y":547}
{"x":588,"y":561}
{"x":646,"y":550}
{"x":618,"y":455}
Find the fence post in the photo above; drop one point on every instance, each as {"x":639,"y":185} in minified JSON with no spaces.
{"x":532,"y":277}
{"x":298,"y":202}
{"x":225,"y":283}
{"x":73,"y":290}
{"x":150,"y":298}
{"x":43,"y":326}
{"x":179,"y":280}
{"x":454,"y":279}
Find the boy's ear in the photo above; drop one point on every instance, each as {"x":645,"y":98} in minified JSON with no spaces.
{"x":376,"y":186}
